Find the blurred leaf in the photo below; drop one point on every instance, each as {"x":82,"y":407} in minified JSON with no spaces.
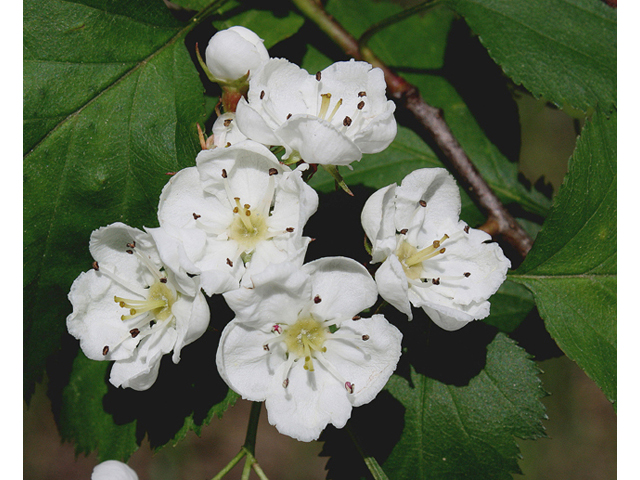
{"x":269,"y":26}
{"x":467,"y":432}
{"x":562,"y":50}
{"x":509,"y":306}
{"x":571,"y":268}
{"x":111,"y":99}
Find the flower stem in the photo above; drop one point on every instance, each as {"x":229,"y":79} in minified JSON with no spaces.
{"x":371,"y":463}
{"x":248,"y":449}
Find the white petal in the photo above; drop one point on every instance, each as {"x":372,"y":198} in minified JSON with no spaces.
{"x":379,"y":132}
{"x":225,"y":131}
{"x":310,"y":402}
{"x":393,"y":285}
{"x":113,"y":470}
{"x":366,"y":364}
{"x":318,"y":141}
{"x":279,"y":293}
{"x":95,"y":319}
{"x":243,"y":363}
{"x":378,"y":222}
{"x":254,"y":126}
{"x":455,"y":318}
{"x":438,"y":189}
{"x":192,"y":319}
{"x":140,"y":371}
{"x":342,"y":287}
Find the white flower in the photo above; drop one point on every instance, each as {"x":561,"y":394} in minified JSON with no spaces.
{"x":233,"y":53}
{"x":113,"y":470}
{"x":297,"y":343}
{"x":330,"y":118}
{"x":130,"y":309}
{"x":430,"y":258}
{"x":238,"y":210}
{"x":226,"y":131}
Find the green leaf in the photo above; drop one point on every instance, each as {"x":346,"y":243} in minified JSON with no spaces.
{"x":266,"y":24}
{"x":111,"y":99}
{"x":571,"y":268}
{"x":453,"y":432}
{"x":563,"y":50}
{"x":509,"y":306}
{"x":83,"y":420}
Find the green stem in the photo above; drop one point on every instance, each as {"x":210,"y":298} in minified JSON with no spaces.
{"x":371,"y":463}
{"x":230,"y":465}
{"x":252,"y":428}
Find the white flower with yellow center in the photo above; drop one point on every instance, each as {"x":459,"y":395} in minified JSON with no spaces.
{"x":329,"y":118}
{"x":298,"y":343}
{"x":131,"y":309}
{"x":237,"y":211}
{"x":429,"y":257}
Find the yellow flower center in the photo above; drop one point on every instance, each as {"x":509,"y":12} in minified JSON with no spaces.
{"x":302,"y":337}
{"x":411,"y":258}
{"x":248,"y":228}
{"x":158,"y":302}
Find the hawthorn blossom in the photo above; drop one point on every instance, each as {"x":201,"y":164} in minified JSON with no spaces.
{"x":131,"y":309}
{"x":113,"y":470}
{"x":238,"y":210}
{"x":430,"y":258}
{"x":329,"y":118}
{"x":233,"y":53}
{"x":298,"y":343}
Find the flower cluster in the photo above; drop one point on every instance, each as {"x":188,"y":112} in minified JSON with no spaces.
{"x":233,"y":225}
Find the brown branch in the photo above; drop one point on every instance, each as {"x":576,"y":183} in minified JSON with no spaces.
{"x":499,"y":221}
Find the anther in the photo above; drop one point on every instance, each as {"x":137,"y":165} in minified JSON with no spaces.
{"x":247,"y":213}
{"x":346,"y":122}
{"x":285,"y":384}
{"x":273,"y":171}
{"x":362,"y":94}
{"x":467,"y":274}
{"x":196,"y":216}
{"x":423,"y":203}
{"x":265,"y":347}
{"x":229,"y":262}
{"x":163,"y":280}
{"x":276,"y":329}
{"x":349,"y":386}
{"x":356,"y":317}
{"x":224,"y":173}
{"x":435,"y":281}
{"x":105,"y":350}
{"x":317,"y":299}
{"x":95,"y":266}
{"x":227,"y":122}
{"x":131,"y":245}
{"x":152,"y":323}
{"x":442,"y":250}
{"x":318,"y":76}
{"x":261,"y":94}
{"x":247,"y":206}
{"x":288,"y":116}
{"x":466,"y":229}
{"x":236,"y":209}
{"x":360,"y":105}
{"x":365,"y":337}
{"x":134,"y":332}
{"x":228,"y":144}
{"x":289,"y":229}
{"x":130,"y":252}
{"x":404,"y":231}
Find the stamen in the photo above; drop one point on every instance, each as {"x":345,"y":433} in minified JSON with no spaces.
{"x":361,"y":105}
{"x":347,"y":121}
{"x":196,"y":216}
{"x":422,"y":203}
{"x":132,"y":288}
{"x":317,"y":299}
{"x":326,"y":364}
{"x":273,"y":171}
{"x":335,"y":109}
{"x":318,"y":76}
{"x":349,"y":386}
{"x":362,"y":94}
{"x":224,"y":173}
{"x":466,"y":229}
{"x":287,"y":369}
{"x":95,"y":266}
{"x":265,"y":347}
{"x":426,"y":253}
{"x":261,"y":94}
{"x":229,"y":262}
{"x":404,"y":231}
{"x":247,"y":223}
{"x":277,"y":329}
{"x":324,"y":106}
{"x":227,"y":122}
{"x":356,"y":317}
{"x":289,"y":116}
{"x":134,"y":332}
{"x":105,"y":350}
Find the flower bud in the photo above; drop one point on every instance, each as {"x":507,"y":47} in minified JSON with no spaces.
{"x":233,"y":52}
